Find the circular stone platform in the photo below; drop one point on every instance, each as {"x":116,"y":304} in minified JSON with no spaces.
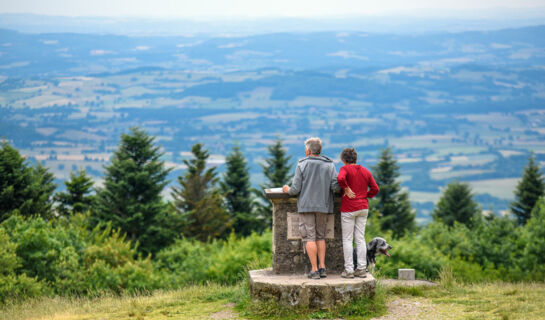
{"x":298,"y":290}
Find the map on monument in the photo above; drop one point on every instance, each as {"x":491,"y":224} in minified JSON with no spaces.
{"x":293,"y":226}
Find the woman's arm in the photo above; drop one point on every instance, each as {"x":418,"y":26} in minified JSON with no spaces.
{"x":373,"y":187}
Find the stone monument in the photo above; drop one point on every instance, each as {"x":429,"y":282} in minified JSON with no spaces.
{"x":287,"y":282}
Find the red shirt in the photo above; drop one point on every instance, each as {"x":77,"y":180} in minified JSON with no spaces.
{"x":361,"y":182}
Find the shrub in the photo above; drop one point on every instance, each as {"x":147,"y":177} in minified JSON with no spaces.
{"x":68,"y":258}
{"x":533,"y":239}
{"x":224,"y":261}
{"x":14,"y":286}
{"x":409,"y":252}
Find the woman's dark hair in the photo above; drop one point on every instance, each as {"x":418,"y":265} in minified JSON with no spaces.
{"x":349,"y":155}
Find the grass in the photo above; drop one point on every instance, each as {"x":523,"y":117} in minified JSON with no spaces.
{"x":491,"y":301}
{"x":192,"y":302}
{"x":449,"y":300}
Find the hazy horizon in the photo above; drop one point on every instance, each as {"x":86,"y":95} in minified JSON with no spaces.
{"x":175,"y":26}
{"x":241,"y":9}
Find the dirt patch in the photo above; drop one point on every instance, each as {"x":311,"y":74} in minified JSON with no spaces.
{"x":406,"y":309}
{"x":226,"y":314}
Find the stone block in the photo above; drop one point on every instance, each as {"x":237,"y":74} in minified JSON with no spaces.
{"x":405,"y":274}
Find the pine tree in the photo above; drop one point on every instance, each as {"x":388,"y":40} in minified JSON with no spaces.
{"x":24,"y":189}
{"x":237,"y":191}
{"x":198,"y":201}
{"x":77,"y":196}
{"x":533,"y":238}
{"x":393,"y":204}
{"x":278,"y":172}
{"x":528,"y":191}
{"x":456,"y":204}
{"x":131,"y":197}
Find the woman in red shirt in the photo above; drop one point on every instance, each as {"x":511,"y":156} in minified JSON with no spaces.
{"x":359,"y":185}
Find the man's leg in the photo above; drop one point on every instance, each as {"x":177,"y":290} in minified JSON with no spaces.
{"x":321,"y":252}
{"x":312,"y":252}
{"x":307,"y":227}
{"x":321,"y":227}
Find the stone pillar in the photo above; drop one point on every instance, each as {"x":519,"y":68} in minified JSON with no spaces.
{"x":288,"y":254}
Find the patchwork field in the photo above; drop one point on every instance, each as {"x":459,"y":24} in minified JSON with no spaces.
{"x":448,"y":114}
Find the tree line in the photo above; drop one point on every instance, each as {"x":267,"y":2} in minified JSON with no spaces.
{"x":205,"y":206}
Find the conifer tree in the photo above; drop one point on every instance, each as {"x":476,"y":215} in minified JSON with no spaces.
{"x":198,"y":201}
{"x":77,"y":197}
{"x":393,"y":205}
{"x":238,"y":196}
{"x":456,"y":204}
{"x":533,"y":236}
{"x":24,"y":189}
{"x":278,"y":171}
{"x":131,"y":197}
{"x":530,"y":188}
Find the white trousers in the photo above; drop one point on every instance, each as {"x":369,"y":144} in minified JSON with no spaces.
{"x":353,"y":226}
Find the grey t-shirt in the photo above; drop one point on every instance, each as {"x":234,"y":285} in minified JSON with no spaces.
{"x":315,"y":182}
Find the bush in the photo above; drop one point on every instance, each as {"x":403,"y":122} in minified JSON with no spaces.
{"x":490,"y":251}
{"x":409,"y":252}
{"x":533,"y":239}
{"x":68,"y":258}
{"x":14,"y":286}
{"x":224,"y":261}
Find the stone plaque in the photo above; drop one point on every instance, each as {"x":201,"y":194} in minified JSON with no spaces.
{"x":293,"y":226}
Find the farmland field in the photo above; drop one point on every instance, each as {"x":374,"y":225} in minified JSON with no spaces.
{"x":448,"y":112}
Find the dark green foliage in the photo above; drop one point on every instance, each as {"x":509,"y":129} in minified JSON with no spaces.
{"x":393,"y":205}
{"x":236,"y":188}
{"x":277,"y":170}
{"x":65,"y":257}
{"x":24,"y":189}
{"x":456,"y":204}
{"x":77,"y":196}
{"x":13,"y":285}
{"x":533,"y":239}
{"x":225,"y":261}
{"x":494,"y":242}
{"x":528,"y":191}
{"x":131,"y":197}
{"x":198,"y":201}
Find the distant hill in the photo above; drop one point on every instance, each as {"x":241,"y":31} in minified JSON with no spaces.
{"x":465,"y":105}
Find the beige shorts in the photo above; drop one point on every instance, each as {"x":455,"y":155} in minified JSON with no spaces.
{"x":312,"y":226}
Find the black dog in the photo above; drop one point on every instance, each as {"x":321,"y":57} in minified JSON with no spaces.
{"x":377,"y":245}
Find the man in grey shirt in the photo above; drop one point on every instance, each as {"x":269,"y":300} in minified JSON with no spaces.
{"x":315,"y":182}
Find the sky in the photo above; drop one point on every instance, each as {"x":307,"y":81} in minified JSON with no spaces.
{"x":260,"y":8}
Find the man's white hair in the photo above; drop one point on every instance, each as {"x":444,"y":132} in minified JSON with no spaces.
{"x":314,"y":145}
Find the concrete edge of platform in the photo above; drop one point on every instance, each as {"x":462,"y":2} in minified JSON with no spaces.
{"x":298,"y":290}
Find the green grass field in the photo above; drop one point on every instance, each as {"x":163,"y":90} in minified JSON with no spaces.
{"x":212,"y":301}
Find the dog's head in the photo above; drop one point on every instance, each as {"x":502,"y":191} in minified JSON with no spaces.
{"x":379,"y":245}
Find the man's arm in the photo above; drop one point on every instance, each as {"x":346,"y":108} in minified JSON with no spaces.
{"x":334,"y":185}
{"x":296,"y":184}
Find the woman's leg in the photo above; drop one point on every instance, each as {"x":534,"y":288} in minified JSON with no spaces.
{"x":359,"y":235}
{"x":347,"y":223}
